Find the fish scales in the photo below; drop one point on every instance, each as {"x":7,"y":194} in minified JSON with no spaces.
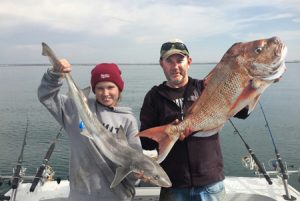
{"x":217,"y":101}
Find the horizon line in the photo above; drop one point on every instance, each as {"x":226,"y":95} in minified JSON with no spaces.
{"x":89,"y":64}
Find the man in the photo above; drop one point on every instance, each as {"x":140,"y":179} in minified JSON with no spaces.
{"x":195,"y":164}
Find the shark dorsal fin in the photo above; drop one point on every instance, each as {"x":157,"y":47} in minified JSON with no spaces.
{"x":86,"y":91}
{"x":121,"y":136}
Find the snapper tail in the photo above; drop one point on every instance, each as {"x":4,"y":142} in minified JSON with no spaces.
{"x":165,"y":140}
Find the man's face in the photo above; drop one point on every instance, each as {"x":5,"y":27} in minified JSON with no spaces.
{"x":176,"y":69}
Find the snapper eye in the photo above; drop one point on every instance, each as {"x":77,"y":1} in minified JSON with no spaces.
{"x":258,"y":50}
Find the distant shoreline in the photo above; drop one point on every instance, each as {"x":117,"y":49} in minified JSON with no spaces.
{"x":92,"y":64}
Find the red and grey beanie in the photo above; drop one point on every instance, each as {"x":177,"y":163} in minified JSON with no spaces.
{"x":106,"y":72}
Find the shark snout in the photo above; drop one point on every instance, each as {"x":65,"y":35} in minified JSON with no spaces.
{"x":161,"y":179}
{"x":165,"y":182}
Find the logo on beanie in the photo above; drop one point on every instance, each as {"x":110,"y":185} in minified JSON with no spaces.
{"x":103,"y":76}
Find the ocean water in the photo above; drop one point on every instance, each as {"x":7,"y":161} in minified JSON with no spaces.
{"x":19,"y":105}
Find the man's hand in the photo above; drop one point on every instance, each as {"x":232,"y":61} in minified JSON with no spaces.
{"x":185,"y":133}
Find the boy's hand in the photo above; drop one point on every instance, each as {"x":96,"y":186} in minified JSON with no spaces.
{"x":62,"y":67}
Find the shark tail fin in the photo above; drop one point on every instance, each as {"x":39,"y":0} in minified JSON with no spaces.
{"x":164,"y":140}
{"x":121,"y":173}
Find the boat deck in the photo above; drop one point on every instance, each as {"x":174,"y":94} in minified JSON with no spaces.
{"x":252,"y":188}
{"x":237,"y":188}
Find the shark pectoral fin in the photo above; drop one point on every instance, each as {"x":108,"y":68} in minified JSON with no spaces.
{"x":86,"y":91}
{"x":121,"y":173}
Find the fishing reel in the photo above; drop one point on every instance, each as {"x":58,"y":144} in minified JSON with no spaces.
{"x":9,"y":178}
{"x":249,"y":163}
{"x":273,"y":164}
{"x":21,"y":173}
{"x":48,"y":174}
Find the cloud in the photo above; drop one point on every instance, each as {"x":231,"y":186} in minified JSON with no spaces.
{"x":109,"y":18}
{"x":71,"y":16}
{"x":103,"y":27}
{"x":267,"y":17}
{"x":296,"y":20}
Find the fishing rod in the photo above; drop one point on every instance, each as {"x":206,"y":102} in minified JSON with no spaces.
{"x":39,"y":174}
{"x":279,"y":160}
{"x":17,"y":170}
{"x":261,"y":169}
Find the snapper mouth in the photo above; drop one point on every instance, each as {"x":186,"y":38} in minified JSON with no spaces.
{"x":275,"y":70}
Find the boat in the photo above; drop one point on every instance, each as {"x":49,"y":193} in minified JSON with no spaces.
{"x":266,"y":185}
{"x":237,"y":189}
{"x":257,"y":188}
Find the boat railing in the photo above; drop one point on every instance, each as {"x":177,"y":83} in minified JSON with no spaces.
{"x":276,"y":171}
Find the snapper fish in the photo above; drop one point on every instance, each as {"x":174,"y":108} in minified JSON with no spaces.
{"x":236,"y":82}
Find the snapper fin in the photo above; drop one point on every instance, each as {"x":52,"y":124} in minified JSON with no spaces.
{"x":121,"y":173}
{"x":165,"y":147}
{"x":248,"y":98}
{"x":252,"y":104}
{"x":165,"y":142}
{"x":259,"y":87}
{"x":210,"y":76}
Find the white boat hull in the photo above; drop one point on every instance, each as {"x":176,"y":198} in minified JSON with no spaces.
{"x":237,"y":189}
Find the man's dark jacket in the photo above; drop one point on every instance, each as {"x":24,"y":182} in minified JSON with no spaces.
{"x":195,"y":161}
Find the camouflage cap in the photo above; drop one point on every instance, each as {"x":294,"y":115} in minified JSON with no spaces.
{"x":175,"y":46}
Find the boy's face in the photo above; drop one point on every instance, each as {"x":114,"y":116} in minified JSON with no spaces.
{"x":107,"y":93}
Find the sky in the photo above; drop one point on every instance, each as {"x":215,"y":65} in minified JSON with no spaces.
{"x":132,"y":31}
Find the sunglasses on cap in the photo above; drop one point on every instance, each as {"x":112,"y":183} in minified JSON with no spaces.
{"x":173,"y":45}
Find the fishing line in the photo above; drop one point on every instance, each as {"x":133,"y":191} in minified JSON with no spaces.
{"x":16,"y":178}
{"x":261,"y":169}
{"x":283,"y":170}
{"x":273,"y":141}
{"x":267,"y":125}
